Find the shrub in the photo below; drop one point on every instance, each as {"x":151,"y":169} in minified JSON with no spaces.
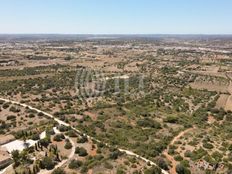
{"x":185,"y":163}
{"x":63,"y":128}
{"x":45,"y":142}
{"x":217,"y":156}
{"x":208,"y":146}
{"x":153,"y":170}
{"x":6,"y":105}
{"x":68,"y":145}
{"x":171,"y":119}
{"x":47,"y":163}
{"x":72,"y":133}
{"x":59,"y":171}
{"x":120,"y":171}
{"x":11,"y":117}
{"x":162,"y":163}
{"x":14,"y":109}
{"x":58,"y":137}
{"x":40,"y":114}
{"x":75,"y":164}
{"x":148,"y":123}
{"x":115,"y":154}
{"x":198,"y":154}
{"x":83,"y":139}
{"x":180,"y":169}
{"x":35,"y":137}
{"x":50,"y":132}
{"x":81,"y":151}
{"x":31,"y":115}
{"x":108,"y":165}
{"x":178,"y":158}
{"x":188,"y":153}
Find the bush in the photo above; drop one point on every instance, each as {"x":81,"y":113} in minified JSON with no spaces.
{"x":40,"y":114}
{"x":108,"y":165}
{"x":230,"y":148}
{"x":68,"y":145}
{"x":161,"y":163}
{"x":208,"y":146}
{"x":58,"y":137}
{"x":72,"y":133}
{"x":35,"y":137}
{"x":99,"y":157}
{"x":153,"y":170}
{"x":178,"y":158}
{"x":45,"y":142}
{"x":171,"y":119}
{"x":75,"y":164}
{"x":47,"y":163}
{"x":50,"y":132}
{"x":83,"y":139}
{"x":188,"y":153}
{"x":84,"y":169}
{"x":11,"y":117}
{"x":59,"y":171}
{"x":81,"y":151}
{"x":185,"y":163}
{"x":63,"y":128}
{"x":198,"y":154}
{"x":31,"y":115}
{"x":217,"y":156}
{"x":115,"y":154}
{"x":14,"y":109}
{"x":6,"y":105}
{"x":148,"y":123}
{"x":180,"y":169}
{"x":120,"y":171}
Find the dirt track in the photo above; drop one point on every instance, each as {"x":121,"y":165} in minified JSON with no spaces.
{"x":169,"y":157}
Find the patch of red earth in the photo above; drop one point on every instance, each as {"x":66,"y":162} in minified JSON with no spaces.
{"x":93,"y":152}
{"x":172,"y":160}
{"x":90,"y":171}
{"x":211,"y":119}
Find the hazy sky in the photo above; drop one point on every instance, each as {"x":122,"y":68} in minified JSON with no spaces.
{"x":116,"y":16}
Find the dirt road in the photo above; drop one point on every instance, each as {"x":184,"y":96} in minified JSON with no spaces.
{"x":171,"y":158}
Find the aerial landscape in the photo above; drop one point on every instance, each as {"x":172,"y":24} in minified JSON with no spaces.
{"x":111,"y":102}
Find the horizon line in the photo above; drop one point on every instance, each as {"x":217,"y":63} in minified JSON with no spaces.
{"x":115,"y":34}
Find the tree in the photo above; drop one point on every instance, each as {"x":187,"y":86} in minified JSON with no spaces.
{"x":115,"y":154}
{"x":162,"y":163}
{"x":35,"y":137}
{"x":81,"y":151}
{"x":153,"y":170}
{"x":58,"y":137}
{"x":59,"y":171}
{"x":16,"y":157}
{"x":180,"y":169}
{"x":83,"y":139}
{"x":68,"y":145}
{"x":45,"y":142}
{"x":47,"y":163}
{"x":75,"y":164}
{"x":120,"y":171}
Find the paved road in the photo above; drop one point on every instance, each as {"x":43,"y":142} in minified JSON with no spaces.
{"x":66,"y":124}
